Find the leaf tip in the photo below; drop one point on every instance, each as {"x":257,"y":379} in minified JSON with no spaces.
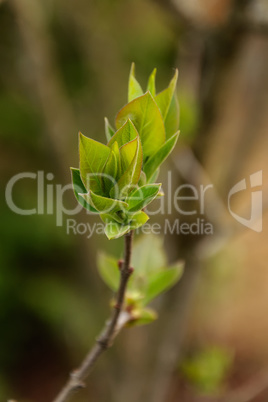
{"x":132,"y":69}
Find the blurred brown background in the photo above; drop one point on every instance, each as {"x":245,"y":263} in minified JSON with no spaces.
{"x":64,"y":66}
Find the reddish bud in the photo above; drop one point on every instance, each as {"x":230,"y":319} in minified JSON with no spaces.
{"x":120,"y":264}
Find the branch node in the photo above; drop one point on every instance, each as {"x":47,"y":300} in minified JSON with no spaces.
{"x":104,"y":343}
{"x":120,"y":264}
{"x":76,"y":382}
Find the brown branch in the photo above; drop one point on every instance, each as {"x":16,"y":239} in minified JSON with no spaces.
{"x":115,"y":324}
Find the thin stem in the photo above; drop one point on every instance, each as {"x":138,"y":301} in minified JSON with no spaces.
{"x":114,"y":325}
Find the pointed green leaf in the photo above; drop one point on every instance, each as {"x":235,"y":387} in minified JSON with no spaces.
{"x":80,"y":188}
{"x":127,"y":153}
{"x":154,"y":176}
{"x":163,"y":99}
{"x":142,"y":317}
{"x":131,"y":163}
{"x":146,"y":116}
{"x":109,"y":131}
{"x":172,"y":118}
{"x":134,"y":88}
{"x":93,"y":156}
{"x":125,"y":134}
{"x":104,"y":204}
{"x":158,"y":158}
{"x":151,"y":83}
{"x":142,"y":196}
{"x":115,"y":148}
{"x":148,"y":255}
{"x":118,"y":216}
{"x":111,"y":168}
{"x":138,"y":219}
{"x":161,"y":281}
{"x":160,"y":194}
{"x":114,"y":230}
{"x":109,"y":271}
{"x":131,"y":168}
{"x":142,"y":179}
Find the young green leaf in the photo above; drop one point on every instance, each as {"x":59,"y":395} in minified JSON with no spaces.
{"x":173,"y":117}
{"x":114,"y":230}
{"x":142,"y":196}
{"x":109,"y":131}
{"x":161,"y":281}
{"x":160,"y":155}
{"x":104,"y":204}
{"x":151,"y":83}
{"x":148,"y":255}
{"x":163,"y":99}
{"x":142,"y":179}
{"x":154,"y":176}
{"x":79,"y":187}
{"x":111,"y":168}
{"x":142,"y":316}
{"x":125,"y":134}
{"x":128,"y":152}
{"x":93,"y":157}
{"x":131,"y":163}
{"x":138,"y":219}
{"x":146,"y":116}
{"x":109,"y":271}
{"x":118,"y":216}
{"x":134,"y":88}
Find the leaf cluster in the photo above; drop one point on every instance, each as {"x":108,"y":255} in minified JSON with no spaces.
{"x":117,"y":180}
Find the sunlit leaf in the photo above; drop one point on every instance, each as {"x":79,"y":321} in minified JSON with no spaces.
{"x":111,"y":168}
{"x":124,"y":134}
{"x":142,"y":196}
{"x":173,"y":117}
{"x":109,"y":271}
{"x":104,"y":204}
{"x":138,"y":219}
{"x":93,"y":156}
{"x":131,"y":164}
{"x":161,"y":281}
{"x":148,"y":254}
{"x":114,"y":230}
{"x":109,"y":131}
{"x":127,"y":153}
{"x":151,"y":83}
{"x":146,"y":116}
{"x":142,"y":316}
{"x":118,"y":216}
{"x":163,"y":99}
{"x":154,"y":176}
{"x":79,"y":187}
{"x":134,"y":88}
{"x":142,"y":179}
{"x":158,"y":158}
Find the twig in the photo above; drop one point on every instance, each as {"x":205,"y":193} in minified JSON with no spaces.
{"x":114,"y":325}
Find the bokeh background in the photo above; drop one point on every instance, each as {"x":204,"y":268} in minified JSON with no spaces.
{"x":64,"y":65}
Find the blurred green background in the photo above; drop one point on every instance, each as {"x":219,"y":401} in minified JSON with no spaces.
{"x":64,"y":66}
